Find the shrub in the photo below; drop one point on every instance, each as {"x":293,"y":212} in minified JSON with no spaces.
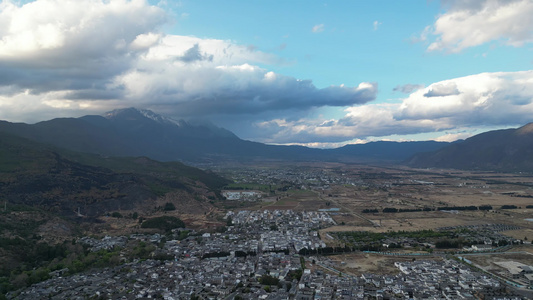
{"x":166,"y":223}
{"x":116,"y":214}
{"x":169,"y":206}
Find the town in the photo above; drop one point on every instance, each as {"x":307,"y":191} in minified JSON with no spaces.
{"x":265,"y":255}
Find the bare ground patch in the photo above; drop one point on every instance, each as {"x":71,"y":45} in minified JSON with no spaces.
{"x":357,"y":264}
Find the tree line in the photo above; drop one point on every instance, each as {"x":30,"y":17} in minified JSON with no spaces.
{"x":441,"y":208}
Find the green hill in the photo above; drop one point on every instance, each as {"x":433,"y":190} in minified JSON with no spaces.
{"x":63,"y":181}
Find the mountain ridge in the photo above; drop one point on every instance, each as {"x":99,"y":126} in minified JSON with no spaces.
{"x":137,"y":132}
{"x":500,"y":150}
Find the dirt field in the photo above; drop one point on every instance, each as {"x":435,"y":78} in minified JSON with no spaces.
{"x":411,"y":189}
{"x":522,"y":234}
{"x":359,"y":263}
{"x":495,"y":263}
{"x":376,"y":188}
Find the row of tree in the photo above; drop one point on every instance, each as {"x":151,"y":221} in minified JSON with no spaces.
{"x":470,"y":207}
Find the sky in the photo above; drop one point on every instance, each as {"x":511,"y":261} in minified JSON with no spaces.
{"x":314,"y":73}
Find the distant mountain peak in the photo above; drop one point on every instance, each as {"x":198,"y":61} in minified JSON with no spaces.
{"x":121,"y":112}
{"x":192,"y":126}
{"x":133,"y":113}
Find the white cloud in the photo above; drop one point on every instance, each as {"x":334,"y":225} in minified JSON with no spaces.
{"x":94,"y":53}
{"x":447,"y":88}
{"x":463,"y":104}
{"x":360,"y":122}
{"x":486,"y":98}
{"x":26,"y":107}
{"x":53,"y":45}
{"x":472,"y":23}
{"x":48,"y":69}
{"x":376,"y":25}
{"x":77,"y":29}
{"x":318,"y":28}
{"x":192,"y":77}
{"x":145,"y":41}
{"x":451,"y":137}
{"x":174,"y":47}
{"x":204,"y":88}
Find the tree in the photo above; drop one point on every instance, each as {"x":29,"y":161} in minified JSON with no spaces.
{"x":116,"y":214}
{"x":268,"y":280}
{"x":169,"y":206}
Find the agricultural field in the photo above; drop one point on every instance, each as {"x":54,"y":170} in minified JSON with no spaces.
{"x":419,"y":198}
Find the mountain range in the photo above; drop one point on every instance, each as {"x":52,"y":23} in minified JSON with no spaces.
{"x":133,"y":132}
{"x":499,"y":150}
{"x":118,"y":160}
{"x":138,"y":132}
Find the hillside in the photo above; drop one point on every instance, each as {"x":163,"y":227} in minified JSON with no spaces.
{"x":49,"y":196}
{"x":62,"y":181}
{"x":385,"y":151}
{"x":501,"y":150}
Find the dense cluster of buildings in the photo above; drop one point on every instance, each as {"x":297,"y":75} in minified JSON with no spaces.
{"x":308,"y":179}
{"x":257,"y":258}
{"x":242,"y":195}
{"x":231,"y":277}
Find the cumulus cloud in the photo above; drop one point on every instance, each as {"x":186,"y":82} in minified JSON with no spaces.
{"x":96,"y":54}
{"x":359,"y":122}
{"x":212,"y":52}
{"x":217,"y":77}
{"x":52,"y":45}
{"x":472,"y":23}
{"x":202,"y":90}
{"x":194,"y":54}
{"x":27,"y":107}
{"x":442,"y":89}
{"x":486,"y":99}
{"x":48,"y":69}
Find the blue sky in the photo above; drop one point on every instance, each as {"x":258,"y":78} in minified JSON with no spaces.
{"x":316,"y":73}
{"x":350,"y":49}
{"x":347,"y":49}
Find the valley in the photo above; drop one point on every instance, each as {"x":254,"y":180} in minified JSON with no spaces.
{"x":271,"y":150}
{"x":356,"y":218}
{"x":411,"y":211}
{"x":358,"y":194}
